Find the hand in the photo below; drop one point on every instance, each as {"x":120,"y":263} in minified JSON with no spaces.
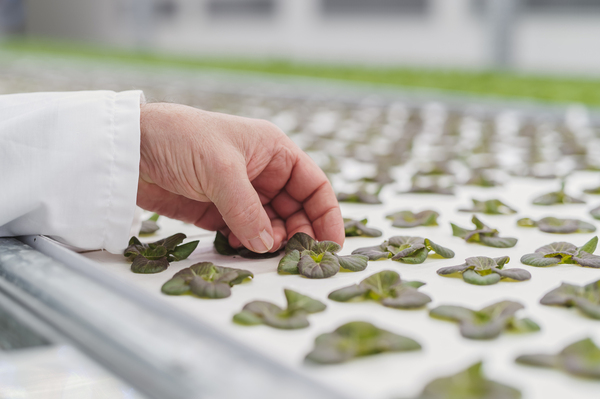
{"x":241,"y":176}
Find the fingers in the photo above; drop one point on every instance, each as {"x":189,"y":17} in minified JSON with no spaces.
{"x":279,"y":232}
{"x":241,"y":208}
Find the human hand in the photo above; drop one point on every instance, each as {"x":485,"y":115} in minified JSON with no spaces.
{"x":240,"y":176}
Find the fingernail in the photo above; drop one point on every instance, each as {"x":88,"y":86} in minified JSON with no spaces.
{"x":263,"y":243}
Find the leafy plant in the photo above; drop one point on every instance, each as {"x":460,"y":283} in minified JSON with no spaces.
{"x":410,"y":219}
{"x":426,"y":185}
{"x":150,"y":226}
{"x":557,"y":197}
{"x":483,"y":234}
{"x":361,"y":196}
{"x":155,"y":257}
{"x":558,"y":226}
{"x":481,"y":178}
{"x":592,"y":190}
{"x":564,"y":252}
{"x":293,"y":317}
{"x":222,"y":246}
{"x":581,"y":358}
{"x":468,"y":384}
{"x":488,"y":322}
{"x":313,"y":259}
{"x":357,"y":339}
{"x":205,"y":280}
{"x":387,"y":288}
{"x":490,"y":207}
{"x":481,"y":270}
{"x":404,"y":249}
{"x":586,"y":298}
{"x":358,"y":228}
{"x":595,"y":213}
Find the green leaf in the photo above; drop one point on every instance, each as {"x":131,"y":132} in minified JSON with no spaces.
{"x":355,"y":263}
{"x":360,"y":196}
{"x":483,"y":235}
{"x":458,"y":231}
{"x":587,"y":260}
{"x":556,"y":198}
{"x":289,"y":263}
{"x":407,"y":219}
{"x":209,"y":289}
{"x":154,"y":252}
{"x":222,"y":246}
{"x":595,"y":213}
{"x":468,"y":384}
{"x":358,"y":228}
{"x":438,"y":249}
{"x":417,"y":257}
{"x":150,"y":226}
{"x":524,"y":325}
{"x":357,"y":339}
{"x":171,"y":242}
{"x":452,"y":270}
{"x":247,"y":318}
{"x":146,"y":266}
{"x":564,"y":252}
{"x":298,"y":302}
{"x":182,"y":252}
{"x":539,"y":260}
{"x":387,"y":288}
{"x":586,"y":298}
{"x":326,"y":267}
{"x":513,"y":274}
{"x":452,"y":313}
{"x":480,"y":263}
{"x":526,"y":222}
{"x":581,"y":358}
{"x":501,"y":261}
{"x":326,"y":246}
{"x":374,"y":253}
{"x":472,"y":277}
{"x":175,"y":286}
{"x":490,"y":207}
{"x":498,"y":242}
{"x":589,"y":246}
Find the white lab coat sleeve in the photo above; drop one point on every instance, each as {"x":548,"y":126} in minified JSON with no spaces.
{"x":69,"y":166}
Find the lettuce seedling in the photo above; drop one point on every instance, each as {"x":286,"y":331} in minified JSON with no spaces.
{"x":481,"y":270}
{"x":150,"y":226}
{"x":488,"y":322}
{"x":557,"y":197}
{"x":481,"y":178}
{"x":558,"y":226}
{"x":293,"y":317}
{"x":222,"y":246}
{"x":357,"y":339}
{"x":595,"y":213}
{"x":586,"y":298}
{"x":205,"y":280}
{"x":358,"y":228}
{"x":564,"y":252}
{"x":581,"y":358}
{"x":155,"y":257}
{"x":490,"y":207}
{"x":313,"y":259}
{"x":361,"y":196}
{"x":483,"y":234}
{"x":387,"y":288}
{"x":405,"y":219}
{"x":404,"y":249}
{"x":468,"y":384}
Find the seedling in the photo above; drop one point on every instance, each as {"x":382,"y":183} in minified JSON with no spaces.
{"x":155,"y":257}
{"x":407,"y":219}
{"x":358,"y":228}
{"x":483,"y":235}
{"x":404,"y":249}
{"x":490,"y":207}
{"x":564,"y":253}
{"x":558,"y":226}
{"x":586,"y":298}
{"x":481,"y":270}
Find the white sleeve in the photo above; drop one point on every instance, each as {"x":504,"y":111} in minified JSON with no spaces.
{"x":69,"y":166}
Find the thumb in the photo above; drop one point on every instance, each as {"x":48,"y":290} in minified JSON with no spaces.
{"x":240,"y":206}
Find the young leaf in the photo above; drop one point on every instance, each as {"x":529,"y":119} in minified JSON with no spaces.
{"x":294,"y":317}
{"x":377,"y":252}
{"x":387,"y":288}
{"x":324,"y":267}
{"x":558,"y":226}
{"x":488,"y":322}
{"x":557,"y":197}
{"x":407,"y":219}
{"x":289,"y":263}
{"x":358,"y":228}
{"x":481,"y":270}
{"x":563,"y":252}
{"x":586,"y":298}
{"x":209,"y":289}
{"x":413,"y":250}
{"x":468,"y":384}
{"x":490,"y":207}
{"x":147,"y":266}
{"x":357,"y":339}
{"x":182,"y":252}
{"x":150,"y":226}
{"x":483,"y":234}
{"x":581,"y":358}
{"x":595,"y":213}
{"x":354,"y":263}
{"x":155,"y":257}
{"x":438,"y":249}
{"x":360,"y":196}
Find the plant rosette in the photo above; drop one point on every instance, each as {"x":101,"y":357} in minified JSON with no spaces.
{"x":205,"y":280}
{"x":358,"y":228}
{"x":487,"y":323}
{"x":558,"y":226}
{"x":317,"y":259}
{"x":564,"y":253}
{"x":408,"y":219}
{"x":155,"y":257}
{"x":559,"y":197}
{"x":483,"y":234}
{"x":293,"y":317}
{"x":357,"y":339}
{"x":405,"y":249}
{"x":581,"y":359}
{"x":222,"y":247}
{"x":585,"y":298}
{"x":490,"y":207}
{"x":481,"y":270}
{"x":468,"y":384}
{"x":387,"y":288}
